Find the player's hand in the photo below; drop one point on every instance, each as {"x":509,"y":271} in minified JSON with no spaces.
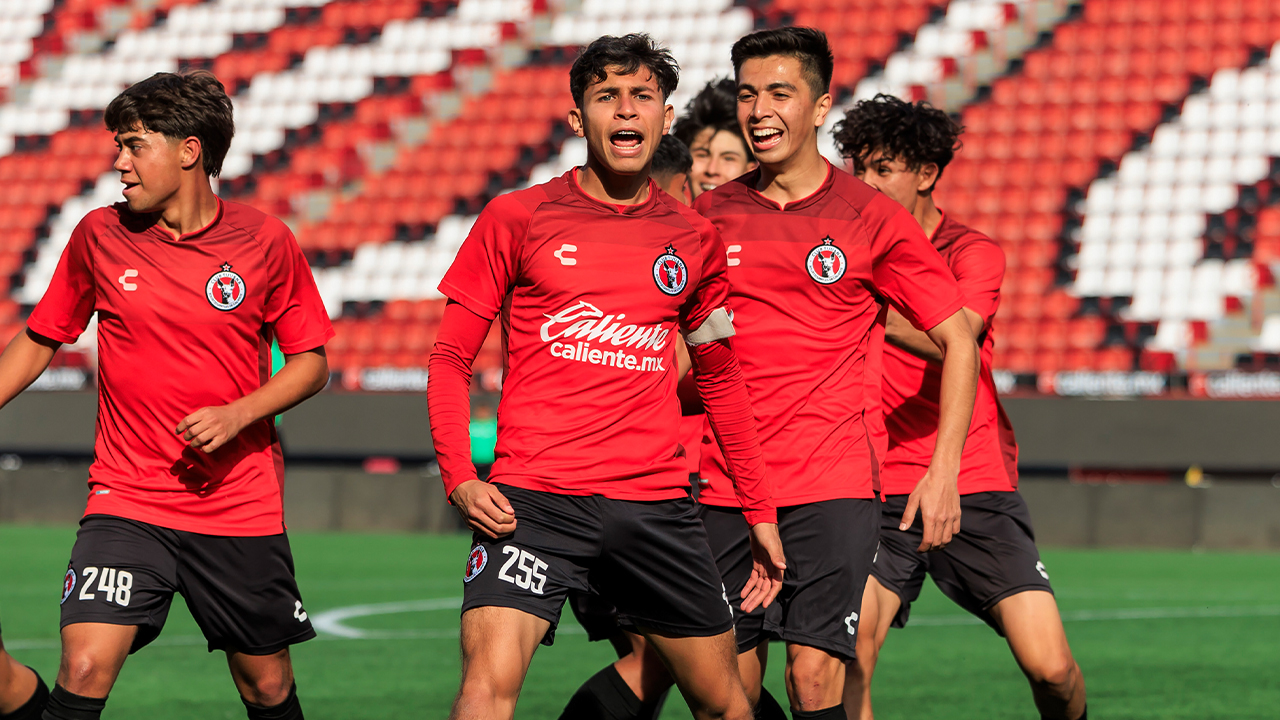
{"x":484,"y":509}
{"x":767,"y":565}
{"x":938,"y":500}
{"x":209,"y":428}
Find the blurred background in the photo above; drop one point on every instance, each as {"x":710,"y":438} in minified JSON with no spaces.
{"x":1125,"y":153}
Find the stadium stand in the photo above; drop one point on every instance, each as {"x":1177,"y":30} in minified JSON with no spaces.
{"x":1122,"y":151}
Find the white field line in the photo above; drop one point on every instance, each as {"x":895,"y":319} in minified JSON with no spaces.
{"x":330,"y":622}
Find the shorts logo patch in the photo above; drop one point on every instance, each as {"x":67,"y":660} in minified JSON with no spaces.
{"x":670,"y":272}
{"x":475,"y":563}
{"x":724,"y":595}
{"x":851,"y":623}
{"x":298,"y":612}
{"x":1041,"y":569}
{"x":826,"y":263}
{"x":226,"y":289}
{"x":68,"y":584}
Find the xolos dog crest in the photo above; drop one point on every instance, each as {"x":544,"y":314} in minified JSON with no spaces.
{"x":475,"y":563}
{"x":826,"y":263}
{"x":226,"y":289}
{"x":670,"y":273}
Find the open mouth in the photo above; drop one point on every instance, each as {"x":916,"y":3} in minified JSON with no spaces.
{"x":766,"y":138}
{"x":627,"y":141}
{"x":708,"y":186}
{"x":129,"y":186}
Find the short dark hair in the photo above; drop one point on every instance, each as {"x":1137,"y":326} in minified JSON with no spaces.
{"x":628,"y":54}
{"x":807,"y":45}
{"x":916,"y":133}
{"x":190,"y":103}
{"x":671,"y":158}
{"x":715,"y":106}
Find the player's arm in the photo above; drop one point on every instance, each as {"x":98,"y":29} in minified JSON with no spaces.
{"x":26,"y":356}
{"x":909,"y":272}
{"x":724,"y":395}
{"x":937,"y":495}
{"x":899,"y":332}
{"x":481,"y":505}
{"x":304,"y":374}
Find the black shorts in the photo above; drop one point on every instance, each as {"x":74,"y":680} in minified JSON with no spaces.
{"x":993,"y":556}
{"x":596,"y":615}
{"x":649,"y":560}
{"x":240,"y":590}
{"x":829,"y":546}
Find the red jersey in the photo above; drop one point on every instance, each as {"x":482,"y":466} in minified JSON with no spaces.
{"x":912,"y":385}
{"x":809,"y":287}
{"x":184,"y":324}
{"x":591,"y":296}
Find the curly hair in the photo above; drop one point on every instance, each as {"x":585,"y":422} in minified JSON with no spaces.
{"x":671,"y":158}
{"x":916,"y":133}
{"x":628,"y":54}
{"x":191,"y":103}
{"x":715,"y":106}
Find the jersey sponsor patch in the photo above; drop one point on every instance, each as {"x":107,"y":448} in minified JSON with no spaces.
{"x":225,"y":289}
{"x":826,"y":263}
{"x":475,"y":562}
{"x":670,"y":273}
{"x":68,"y":584}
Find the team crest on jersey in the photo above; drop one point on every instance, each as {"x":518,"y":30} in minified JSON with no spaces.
{"x":476,"y":562}
{"x":670,"y":273}
{"x":226,"y":289}
{"x":826,"y":263}
{"x":68,"y":584}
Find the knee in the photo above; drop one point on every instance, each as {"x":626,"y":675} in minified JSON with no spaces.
{"x":1055,"y":675}
{"x":84,"y":673}
{"x":815,"y":677}
{"x":267,"y":690}
{"x":490,"y":693}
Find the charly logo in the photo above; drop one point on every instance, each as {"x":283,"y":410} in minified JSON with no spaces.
{"x":670,"y":273}
{"x":475,"y":563}
{"x":826,"y":263}
{"x":226,"y":289}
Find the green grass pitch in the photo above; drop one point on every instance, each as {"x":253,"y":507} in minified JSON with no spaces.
{"x":1158,"y":635}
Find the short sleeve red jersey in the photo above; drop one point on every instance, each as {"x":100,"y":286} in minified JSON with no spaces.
{"x":184,"y":324}
{"x":912,"y":386}
{"x":809,"y":284}
{"x":591,"y":298}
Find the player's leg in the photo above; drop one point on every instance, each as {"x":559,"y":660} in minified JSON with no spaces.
{"x":115,"y":599}
{"x":897,"y":575}
{"x":265,"y":684}
{"x":993,"y":563}
{"x":23,"y":693}
{"x":879,"y":606}
{"x":657,"y":568}
{"x":515,"y":588}
{"x":243,"y":594}
{"x":830,"y":548}
{"x":497,"y":646}
{"x":704,"y":671}
{"x":632,"y":688}
{"x":1033,"y":627}
{"x":729,"y":538}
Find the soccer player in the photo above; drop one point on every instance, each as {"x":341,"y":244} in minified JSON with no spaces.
{"x":636,"y":685}
{"x":710,"y":128}
{"x":818,"y":257}
{"x":992,"y":567}
{"x":185,"y":488}
{"x":23,"y":693}
{"x":591,"y":274}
